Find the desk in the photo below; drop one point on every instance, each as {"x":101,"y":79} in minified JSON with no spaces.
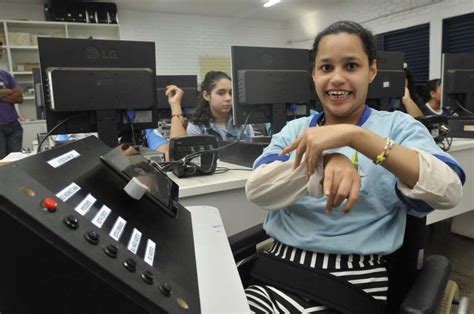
{"x":225,"y":191}
{"x":220,"y":287}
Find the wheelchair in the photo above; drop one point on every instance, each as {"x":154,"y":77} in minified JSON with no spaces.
{"x":414,"y":286}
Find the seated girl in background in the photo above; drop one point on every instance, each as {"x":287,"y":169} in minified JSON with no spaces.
{"x":338,"y":186}
{"x":213,"y":116}
{"x":433,"y":102}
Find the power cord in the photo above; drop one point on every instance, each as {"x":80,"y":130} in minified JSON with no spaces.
{"x":55,"y":128}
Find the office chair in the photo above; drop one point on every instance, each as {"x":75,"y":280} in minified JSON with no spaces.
{"x":414,"y":286}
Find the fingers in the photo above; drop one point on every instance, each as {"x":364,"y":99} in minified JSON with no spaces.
{"x":290,"y":147}
{"x":353,"y":196}
{"x":339,"y":187}
{"x":329,"y":190}
{"x":298,"y":145}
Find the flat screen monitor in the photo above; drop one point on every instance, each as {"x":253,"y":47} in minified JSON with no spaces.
{"x":266,"y":82}
{"x":98,"y":85}
{"x":390,"y":79}
{"x":188,"y":83}
{"x":457,"y":79}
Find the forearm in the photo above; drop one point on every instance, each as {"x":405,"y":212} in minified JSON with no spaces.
{"x":177,"y":122}
{"x":4,"y":92}
{"x":277,"y":185}
{"x":412,"y":107}
{"x":402,"y":162}
{"x":14,"y":97}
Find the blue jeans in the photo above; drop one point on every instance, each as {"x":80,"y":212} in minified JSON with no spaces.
{"x":11,"y":137}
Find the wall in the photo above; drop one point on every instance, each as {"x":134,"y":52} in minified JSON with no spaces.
{"x":384,"y":16}
{"x":180,"y":39}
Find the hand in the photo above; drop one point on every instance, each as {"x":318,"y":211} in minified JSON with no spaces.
{"x":314,"y":141}
{"x":341,"y":181}
{"x":175,"y":94}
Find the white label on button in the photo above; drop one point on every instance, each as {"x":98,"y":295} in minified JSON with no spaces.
{"x":118,"y":228}
{"x":85,"y":205}
{"x":134,"y":241}
{"x":68,"y":191}
{"x":386,"y":84}
{"x":150,"y":252}
{"x":101,"y":216}
{"x":64,"y":158}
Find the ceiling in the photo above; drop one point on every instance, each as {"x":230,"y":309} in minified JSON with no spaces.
{"x":285,"y":10}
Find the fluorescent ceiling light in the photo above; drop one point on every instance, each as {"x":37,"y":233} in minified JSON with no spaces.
{"x":269,"y":3}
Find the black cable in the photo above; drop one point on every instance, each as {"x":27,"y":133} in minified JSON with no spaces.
{"x":54,"y":129}
{"x":465,"y":109}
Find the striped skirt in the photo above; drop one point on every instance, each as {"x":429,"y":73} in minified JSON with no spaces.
{"x":367,"y":273}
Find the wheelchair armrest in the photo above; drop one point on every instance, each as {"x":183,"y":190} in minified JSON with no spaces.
{"x":244,"y":243}
{"x":427,"y":291}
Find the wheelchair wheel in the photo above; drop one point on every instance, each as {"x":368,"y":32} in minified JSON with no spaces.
{"x":451,"y":293}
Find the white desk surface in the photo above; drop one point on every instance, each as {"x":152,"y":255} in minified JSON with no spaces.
{"x":198,"y":185}
{"x":220,"y":288}
{"x":461,"y":144}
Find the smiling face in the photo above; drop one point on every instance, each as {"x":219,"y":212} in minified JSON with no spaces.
{"x":220,"y":98}
{"x":341,"y":76}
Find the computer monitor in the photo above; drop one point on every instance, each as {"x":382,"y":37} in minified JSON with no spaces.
{"x":188,"y":83}
{"x":99,"y":85}
{"x":38,"y":88}
{"x":457,"y":77}
{"x":266,"y":82}
{"x":389,"y":83}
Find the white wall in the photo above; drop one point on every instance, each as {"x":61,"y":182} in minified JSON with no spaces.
{"x":180,"y":39}
{"x":383,"y":16}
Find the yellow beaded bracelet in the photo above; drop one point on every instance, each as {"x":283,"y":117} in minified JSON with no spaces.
{"x":385,"y":152}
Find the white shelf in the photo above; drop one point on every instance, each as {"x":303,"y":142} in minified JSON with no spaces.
{"x":24,"y":47}
{"x":14,"y":55}
{"x":23,"y":73}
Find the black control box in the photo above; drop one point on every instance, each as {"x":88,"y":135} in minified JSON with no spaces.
{"x":74,"y":242}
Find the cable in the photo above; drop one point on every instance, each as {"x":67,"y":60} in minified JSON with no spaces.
{"x":465,"y":109}
{"x":54,"y":129}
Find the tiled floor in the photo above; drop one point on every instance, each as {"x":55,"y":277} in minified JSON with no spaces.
{"x":460,"y":251}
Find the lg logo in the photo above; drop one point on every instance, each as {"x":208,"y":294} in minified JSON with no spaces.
{"x":94,"y":54}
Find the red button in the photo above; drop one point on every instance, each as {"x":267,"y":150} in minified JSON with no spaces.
{"x":50,"y":204}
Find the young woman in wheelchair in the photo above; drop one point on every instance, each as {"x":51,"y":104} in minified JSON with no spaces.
{"x":338,"y":186}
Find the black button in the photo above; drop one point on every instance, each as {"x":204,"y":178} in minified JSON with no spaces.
{"x":92,"y":237}
{"x":111,"y":250}
{"x":130,"y":265}
{"x":147,"y":277}
{"x":72,"y":222}
{"x":165,"y":289}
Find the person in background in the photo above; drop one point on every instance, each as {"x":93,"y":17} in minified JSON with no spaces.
{"x":153,"y":138}
{"x":338,"y":186}
{"x":213,"y":116}
{"x":433,"y":103}
{"x":11,"y":132}
{"x":410,"y":99}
